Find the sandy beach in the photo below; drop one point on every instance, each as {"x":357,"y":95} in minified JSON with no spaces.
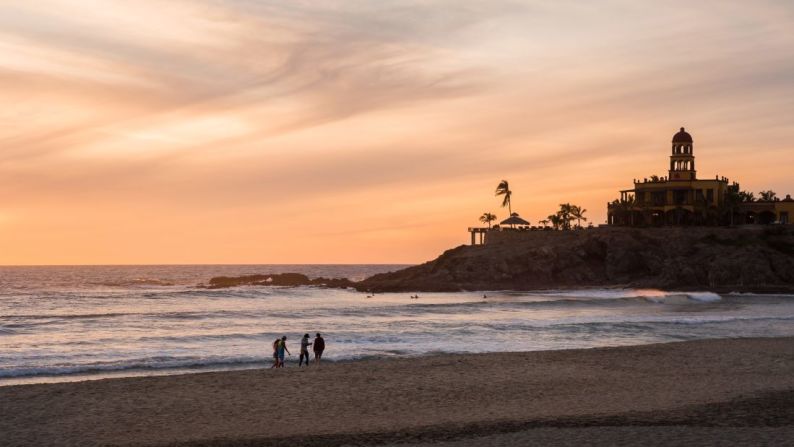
{"x":713,"y":392}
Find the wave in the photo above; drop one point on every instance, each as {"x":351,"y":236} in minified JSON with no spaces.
{"x":604,"y":293}
{"x":571,"y":325}
{"x":653,"y":294}
{"x":172,"y":365}
{"x":134,"y":282}
{"x":48,"y":319}
{"x":567,"y":301}
{"x":140,"y":364}
{"x":707,"y":297}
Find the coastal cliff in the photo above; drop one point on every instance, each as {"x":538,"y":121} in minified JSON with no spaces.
{"x":750,"y":259}
{"x":759,"y":259}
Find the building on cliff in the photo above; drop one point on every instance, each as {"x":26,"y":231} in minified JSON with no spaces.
{"x":681,"y":198}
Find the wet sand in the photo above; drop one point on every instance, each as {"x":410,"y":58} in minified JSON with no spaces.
{"x":714,"y":392}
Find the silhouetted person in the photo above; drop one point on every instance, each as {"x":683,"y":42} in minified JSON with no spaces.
{"x":305,"y":343}
{"x":319,"y":347}
{"x":282,"y":346}
{"x":275,"y":353}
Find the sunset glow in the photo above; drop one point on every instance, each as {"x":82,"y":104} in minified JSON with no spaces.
{"x":200,"y":131}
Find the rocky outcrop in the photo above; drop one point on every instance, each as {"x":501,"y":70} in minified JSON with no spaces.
{"x":759,"y":259}
{"x":719,"y":259}
{"x":277,"y":279}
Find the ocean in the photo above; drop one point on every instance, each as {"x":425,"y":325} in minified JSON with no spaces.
{"x":88,"y":322}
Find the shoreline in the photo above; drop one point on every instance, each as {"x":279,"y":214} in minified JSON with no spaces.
{"x":445,"y":397}
{"x":673,"y":303}
{"x":264,"y":364}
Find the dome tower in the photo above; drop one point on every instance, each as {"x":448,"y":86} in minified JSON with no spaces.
{"x":682,"y":162}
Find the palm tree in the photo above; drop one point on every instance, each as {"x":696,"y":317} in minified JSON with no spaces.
{"x":767,"y":196}
{"x":746,"y":196}
{"x":503,"y":189}
{"x":544,"y":222}
{"x":577,"y":212}
{"x":565,"y":215}
{"x":487,"y":218}
{"x":555,"y":220}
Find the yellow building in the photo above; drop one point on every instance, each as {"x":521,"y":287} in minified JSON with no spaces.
{"x":681,"y":198}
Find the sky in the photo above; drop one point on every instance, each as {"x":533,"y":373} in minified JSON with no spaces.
{"x":255,"y":131}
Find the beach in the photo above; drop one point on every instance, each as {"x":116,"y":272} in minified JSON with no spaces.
{"x":73,"y":323}
{"x":704,"y":392}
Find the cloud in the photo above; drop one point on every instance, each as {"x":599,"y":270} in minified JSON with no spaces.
{"x":389,"y":111}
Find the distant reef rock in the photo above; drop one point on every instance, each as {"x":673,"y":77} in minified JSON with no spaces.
{"x":277,"y":279}
{"x":754,"y":259}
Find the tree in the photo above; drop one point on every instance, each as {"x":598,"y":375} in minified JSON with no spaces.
{"x":544,"y":222}
{"x":565,"y":215}
{"x":487,"y":218}
{"x":746,"y":196}
{"x":767,"y":196}
{"x":555,"y":221}
{"x":503,"y":189}
{"x":577,"y":212}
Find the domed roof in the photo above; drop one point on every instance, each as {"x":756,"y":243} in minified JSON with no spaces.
{"x":682,"y":137}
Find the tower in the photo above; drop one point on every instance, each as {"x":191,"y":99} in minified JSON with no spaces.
{"x":682,"y":162}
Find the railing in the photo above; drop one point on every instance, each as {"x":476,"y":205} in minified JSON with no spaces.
{"x":651,"y":203}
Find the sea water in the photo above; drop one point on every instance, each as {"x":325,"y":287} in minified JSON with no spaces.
{"x":78,"y":323}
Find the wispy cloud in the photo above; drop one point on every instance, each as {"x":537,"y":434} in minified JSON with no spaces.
{"x":235,"y":112}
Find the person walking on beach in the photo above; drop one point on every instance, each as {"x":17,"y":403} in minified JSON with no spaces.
{"x":305,"y":343}
{"x":275,"y":353}
{"x":282,"y":346}
{"x":319,"y":347}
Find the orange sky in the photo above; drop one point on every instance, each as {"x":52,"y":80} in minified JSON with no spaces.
{"x":355,"y":132}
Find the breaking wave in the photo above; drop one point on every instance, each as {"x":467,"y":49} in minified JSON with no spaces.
{"x":76,"y":322}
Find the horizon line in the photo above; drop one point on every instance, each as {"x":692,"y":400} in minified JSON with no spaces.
{"x":193,"y":264}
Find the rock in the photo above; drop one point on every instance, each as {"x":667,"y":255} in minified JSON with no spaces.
{"x":705,"y":258}
{"x":717,"y":259}
{"x":277,"y":279}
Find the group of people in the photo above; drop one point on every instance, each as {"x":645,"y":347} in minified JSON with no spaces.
{"x":280,"y":348}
